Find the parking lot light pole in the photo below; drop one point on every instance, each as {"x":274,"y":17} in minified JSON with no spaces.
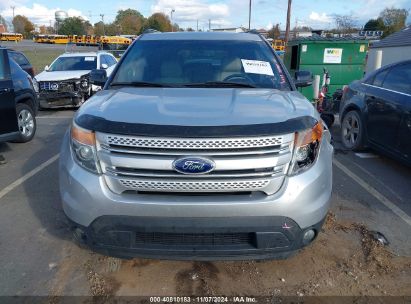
{"x":171,"y":17}
{"x":249,"y":16}
{"x":102,"y":20}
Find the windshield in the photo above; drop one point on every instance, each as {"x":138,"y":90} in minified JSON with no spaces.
{"x":75,"y":63}
{"x":199,"y":62}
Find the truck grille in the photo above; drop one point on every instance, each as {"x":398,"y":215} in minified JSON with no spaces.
{"x":144,"y":164}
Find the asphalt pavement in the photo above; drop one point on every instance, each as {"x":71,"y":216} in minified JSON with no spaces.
{"x":35,"y":241}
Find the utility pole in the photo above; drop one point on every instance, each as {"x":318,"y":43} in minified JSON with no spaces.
{"x":171,"y":17}
{"x":197,"y":25}
{"x":209,"y":25}
{"x":102,"y":20}
{"x":249,"y":16}
{"x":287,"y":28}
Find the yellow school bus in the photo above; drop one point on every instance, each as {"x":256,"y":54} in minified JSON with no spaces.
{"x":58,"y":39}
{"x":11,"y":37}
{"x":116,"y":45}
{"x":278,"y":45}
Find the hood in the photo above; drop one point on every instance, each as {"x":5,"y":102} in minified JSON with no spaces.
{"x":60,"y":75}
{"x":153,"y":108}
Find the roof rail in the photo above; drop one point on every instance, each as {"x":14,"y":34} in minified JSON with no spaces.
{"x":149,"y":31}
{"x":253,"y":32}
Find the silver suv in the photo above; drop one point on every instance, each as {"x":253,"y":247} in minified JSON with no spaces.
{"x":198,"y":147}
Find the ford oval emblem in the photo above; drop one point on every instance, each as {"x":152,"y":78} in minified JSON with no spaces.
{"x":193,"y":165}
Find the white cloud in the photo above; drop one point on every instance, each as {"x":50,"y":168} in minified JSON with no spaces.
{"x":322,"y":18}
{"x":37,"y":13}
{"x":189,"y":11}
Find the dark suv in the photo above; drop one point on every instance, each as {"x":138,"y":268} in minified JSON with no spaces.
{"x":22,"y":61}
{"x":18,"y":102}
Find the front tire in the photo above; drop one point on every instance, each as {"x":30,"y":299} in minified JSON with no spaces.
{"x":27,"y":123}
{"x":352,"y":131}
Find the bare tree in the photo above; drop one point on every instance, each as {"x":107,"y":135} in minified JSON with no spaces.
{"x":346,"y":24}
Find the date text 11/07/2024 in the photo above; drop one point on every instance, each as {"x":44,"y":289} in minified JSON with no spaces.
{"x":220,"y":299}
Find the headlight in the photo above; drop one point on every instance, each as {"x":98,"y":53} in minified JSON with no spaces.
{"x":35,"y":84}
{"x":306,"y":148}
{"x":83,"y":147}
{"x":84,"y":83}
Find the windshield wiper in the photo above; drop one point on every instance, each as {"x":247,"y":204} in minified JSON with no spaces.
{"x":224,"y":84}
{"x":140,"y":84}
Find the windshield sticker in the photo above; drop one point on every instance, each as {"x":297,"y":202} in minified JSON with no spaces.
{"x":89,"y":58}
{"x":257,"y":67}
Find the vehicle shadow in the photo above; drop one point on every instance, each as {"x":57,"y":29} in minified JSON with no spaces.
{"x":42,"y":189}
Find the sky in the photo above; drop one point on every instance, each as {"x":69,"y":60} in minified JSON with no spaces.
{"x":222,"y":13}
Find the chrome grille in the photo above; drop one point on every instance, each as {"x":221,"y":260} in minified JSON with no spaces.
{"x":241,"y":164}
{"x":187,"y":143}
{"x":197,"y":186}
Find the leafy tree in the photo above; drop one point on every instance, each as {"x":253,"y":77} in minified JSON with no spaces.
{"x":99,"y":28}
{"x":274,"y":32}
{"x":394,"y":19}
{"x":130,"y":21}
{"x":112,"y":29}
{"x":190,"y":29}
{"x":3,"y":22}
{"x":374,"y":25}
{"x":73,"y":26}
{"x":159,"y":22}
{"x":23,"y":26}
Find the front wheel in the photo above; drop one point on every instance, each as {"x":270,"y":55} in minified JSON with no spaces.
{"x":352,"y":131}
{"x":26,"y":122}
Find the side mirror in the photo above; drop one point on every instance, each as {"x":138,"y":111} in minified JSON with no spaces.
{"x":104,"y":66}
{"x":303,"y":79}
{"x":46,"y":68}
{"x":98,"y":77}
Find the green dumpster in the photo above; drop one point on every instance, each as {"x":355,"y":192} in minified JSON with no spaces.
{"x":344,"y":58}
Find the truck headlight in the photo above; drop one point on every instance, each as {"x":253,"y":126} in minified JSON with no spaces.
{"x":306,"y":148}
{"x":83,"y":147}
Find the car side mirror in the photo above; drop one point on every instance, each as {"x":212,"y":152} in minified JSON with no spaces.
{"x":46,"y":68}
{"x":98,"y":77}
{"x":303,"y":79}
{"x":104,"y":66}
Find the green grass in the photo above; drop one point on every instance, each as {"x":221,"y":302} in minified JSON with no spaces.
{"x":40,"y":58}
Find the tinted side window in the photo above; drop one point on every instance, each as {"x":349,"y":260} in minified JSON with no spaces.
{"x":399,"y":79}
{"x":103,"y":61}
{"x":2,"y":67}
{"x":110,"y":60}
{"x":379,"y":78}
{"x":19,"y":58}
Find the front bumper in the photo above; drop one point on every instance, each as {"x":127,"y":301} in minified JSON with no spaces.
{"x":60,"y":99}
{"x":112,"y":223}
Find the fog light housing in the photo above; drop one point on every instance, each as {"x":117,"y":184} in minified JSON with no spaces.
{"x":308,"y":236}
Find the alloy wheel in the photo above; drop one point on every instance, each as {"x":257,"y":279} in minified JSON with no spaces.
{"x":26,"y":123}
{"x":350,"y":130}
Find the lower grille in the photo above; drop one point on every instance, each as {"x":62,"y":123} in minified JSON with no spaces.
{"x":199,"y":186}
{"x":194,"y":239}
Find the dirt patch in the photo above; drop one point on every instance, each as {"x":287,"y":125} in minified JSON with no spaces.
{"x":102,"y":286}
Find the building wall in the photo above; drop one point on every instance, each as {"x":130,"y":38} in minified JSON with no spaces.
{"x":389,"y":55}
